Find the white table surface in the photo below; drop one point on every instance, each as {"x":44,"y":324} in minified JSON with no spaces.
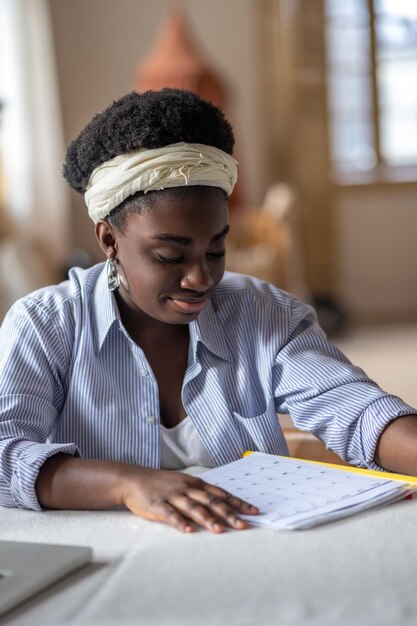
{"x":357,"y":571}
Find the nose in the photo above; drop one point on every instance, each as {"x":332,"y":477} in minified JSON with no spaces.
{"x":197,"y":277}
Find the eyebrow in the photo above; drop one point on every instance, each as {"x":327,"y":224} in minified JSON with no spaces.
{"x":187,"y":241}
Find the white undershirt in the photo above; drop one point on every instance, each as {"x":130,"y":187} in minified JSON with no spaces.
{"x":182,"y":447}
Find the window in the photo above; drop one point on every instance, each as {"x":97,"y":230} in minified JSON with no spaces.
{"x":372,"y":83}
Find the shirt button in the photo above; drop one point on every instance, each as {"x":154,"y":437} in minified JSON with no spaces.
{"x":151,"y":419}
{"x":144,"y":372}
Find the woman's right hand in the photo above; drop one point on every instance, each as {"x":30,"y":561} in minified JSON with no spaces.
{"x":180,"y":500}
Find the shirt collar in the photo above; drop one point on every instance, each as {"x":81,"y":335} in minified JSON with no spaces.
{"x":105,"y":309}
{"x":208,"y":330}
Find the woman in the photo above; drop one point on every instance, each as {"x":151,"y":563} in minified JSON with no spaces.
{"x":159,"y":361}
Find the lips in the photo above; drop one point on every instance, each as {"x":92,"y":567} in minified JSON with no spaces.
{"x":189,"y":305}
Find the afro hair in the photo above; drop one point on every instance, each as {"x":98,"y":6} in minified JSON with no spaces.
{"x":151,"y":119}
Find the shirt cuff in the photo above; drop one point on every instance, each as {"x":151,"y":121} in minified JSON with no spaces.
{"x":26,"y":470}
{"x":373,"y":421}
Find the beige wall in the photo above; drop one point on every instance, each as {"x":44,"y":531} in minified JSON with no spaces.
{"x":100,"y":42}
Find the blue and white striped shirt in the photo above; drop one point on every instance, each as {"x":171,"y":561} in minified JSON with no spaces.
{"x":73,"y":381}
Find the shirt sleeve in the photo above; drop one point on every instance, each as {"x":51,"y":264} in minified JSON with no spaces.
{"x":327,"y":395}
{"x":33,"y":366}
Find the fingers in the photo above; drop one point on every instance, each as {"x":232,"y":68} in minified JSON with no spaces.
{"x":213,"y":518}
{"x":186,"y":510}
{"x":235,"y":502}
{"x":222,"y":508}
{"x":165,"y":512}
{"x":213,"y":508}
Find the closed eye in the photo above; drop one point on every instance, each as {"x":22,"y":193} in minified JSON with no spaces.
{"x":216,"y":255}
{"x":179,"y":259}
{"x":171,"y":260}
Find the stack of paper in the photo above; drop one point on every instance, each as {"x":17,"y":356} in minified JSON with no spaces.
{"x":293,"y":494}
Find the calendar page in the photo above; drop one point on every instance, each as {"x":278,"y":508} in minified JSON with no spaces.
{"x":294,"y":494}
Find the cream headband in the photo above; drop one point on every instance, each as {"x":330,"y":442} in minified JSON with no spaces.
{"x":175,"y":165}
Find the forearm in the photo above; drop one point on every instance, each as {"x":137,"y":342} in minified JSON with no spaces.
{"x":396,"y":449}
{"x":65,"y":482}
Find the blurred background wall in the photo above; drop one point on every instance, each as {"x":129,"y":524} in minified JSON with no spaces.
{"x":309,"y":97}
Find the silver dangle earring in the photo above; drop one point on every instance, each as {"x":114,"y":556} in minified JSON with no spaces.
{"x":113,"y":276}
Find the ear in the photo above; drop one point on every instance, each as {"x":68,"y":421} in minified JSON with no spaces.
{"x":107,"y":239}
